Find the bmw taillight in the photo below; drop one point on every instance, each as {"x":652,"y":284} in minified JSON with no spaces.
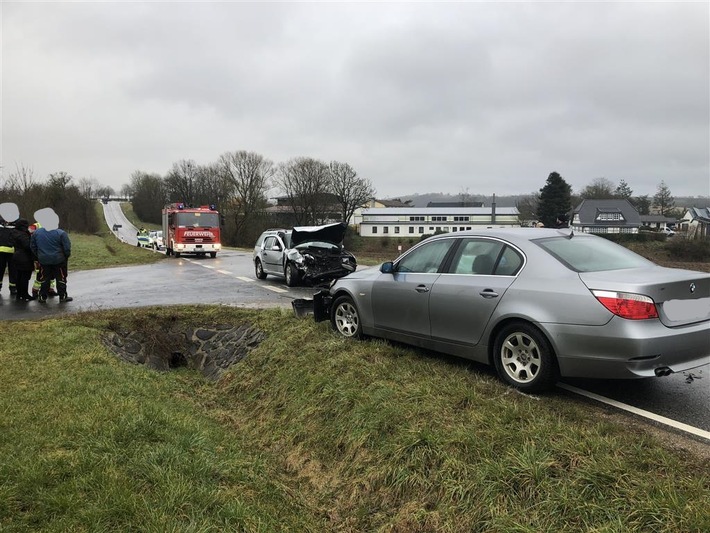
{"x":627,"y":305}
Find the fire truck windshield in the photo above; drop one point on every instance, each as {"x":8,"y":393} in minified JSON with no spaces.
{"x":197,"y":220}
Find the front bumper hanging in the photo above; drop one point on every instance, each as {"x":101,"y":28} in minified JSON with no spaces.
{"x":319,"y":306}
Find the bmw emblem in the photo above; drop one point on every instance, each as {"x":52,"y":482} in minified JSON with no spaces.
{"x":692,"y":287}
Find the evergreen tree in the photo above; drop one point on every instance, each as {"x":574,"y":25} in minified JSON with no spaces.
{"x":663,"y":199}
{"x":623,"y":190}
{"x":642,"y":204}
{"x":555,"y":199}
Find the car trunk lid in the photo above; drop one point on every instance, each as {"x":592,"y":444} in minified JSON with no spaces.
{"x":681,"y":296}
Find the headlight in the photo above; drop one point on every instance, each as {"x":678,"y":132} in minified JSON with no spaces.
{"x":217,"y":246}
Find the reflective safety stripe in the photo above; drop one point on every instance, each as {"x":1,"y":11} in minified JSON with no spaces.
{"x":7,"y":250}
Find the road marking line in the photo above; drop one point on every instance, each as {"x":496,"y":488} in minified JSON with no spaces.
{"x":208,"y":266}
{"x":224,"y":272}
{"x":646,"y":414}
{"x":244,"y":279}
{"x":275,"y":289}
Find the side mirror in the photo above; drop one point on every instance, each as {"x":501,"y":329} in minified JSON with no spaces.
{"x":276,"y":248}
{"x":387,"y":268}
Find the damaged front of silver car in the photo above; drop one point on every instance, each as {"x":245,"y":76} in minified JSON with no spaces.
{"x":317,"y":255}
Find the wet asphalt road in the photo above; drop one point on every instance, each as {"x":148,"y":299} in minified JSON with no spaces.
{"x":229,"y":280}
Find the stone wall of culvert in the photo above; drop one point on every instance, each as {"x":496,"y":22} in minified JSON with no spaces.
{"x":209,"y":349}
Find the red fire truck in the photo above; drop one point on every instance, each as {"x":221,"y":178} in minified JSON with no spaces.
{"x":191,"y":230}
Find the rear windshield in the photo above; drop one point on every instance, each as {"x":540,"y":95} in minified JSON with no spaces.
{"x":585,"y":254}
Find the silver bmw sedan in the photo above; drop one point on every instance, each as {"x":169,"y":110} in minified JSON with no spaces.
{"x":538,"y":304}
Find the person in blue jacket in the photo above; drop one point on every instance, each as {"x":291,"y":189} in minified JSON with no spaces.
{"x":52,"y":248}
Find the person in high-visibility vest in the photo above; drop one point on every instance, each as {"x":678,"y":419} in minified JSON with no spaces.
{"x":38,"y":282}
{"x":6,"y":251}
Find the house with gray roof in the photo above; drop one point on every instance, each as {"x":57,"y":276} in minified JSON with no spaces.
{"x":605,"y":216}
{"x":696,"y":222}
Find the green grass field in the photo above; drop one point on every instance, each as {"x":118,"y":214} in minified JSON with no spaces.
{"x":312,"y":433}
{"x":104,"y":250}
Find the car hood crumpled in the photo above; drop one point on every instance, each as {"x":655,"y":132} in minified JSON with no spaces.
{"x":333,"y":233}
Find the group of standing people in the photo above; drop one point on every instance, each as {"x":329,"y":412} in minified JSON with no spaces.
{"x":25,"y":248}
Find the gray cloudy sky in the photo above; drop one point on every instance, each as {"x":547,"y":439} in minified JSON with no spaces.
{"x":417,"y":97}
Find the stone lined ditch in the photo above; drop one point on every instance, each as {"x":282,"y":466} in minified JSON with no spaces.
{"x":208,"y":349}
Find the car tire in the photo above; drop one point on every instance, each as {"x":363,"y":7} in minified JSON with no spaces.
{"x":524,"y":358}
{"x":259,"y":269}
{"x":345,"y":318}
{"x":291,"y":275}
{"x":213,"y":254}
{"x":176,"y":254}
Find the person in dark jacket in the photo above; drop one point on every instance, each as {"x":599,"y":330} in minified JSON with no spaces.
{"x":9,"y":213}
{"x":562,"y":221}
{"x":22,"y":259}
{"x":6,"y":251}
{"x":52,"y":248}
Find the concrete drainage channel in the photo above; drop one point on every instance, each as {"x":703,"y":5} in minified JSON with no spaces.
{"x":210,"y":349}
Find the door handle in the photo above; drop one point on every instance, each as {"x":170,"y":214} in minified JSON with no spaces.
{"x":488,"y":293}
{"x":422,"y":288}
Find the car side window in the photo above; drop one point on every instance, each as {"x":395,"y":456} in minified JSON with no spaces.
{"x":269,"y":242}
{"x":425,"y":259}
{"x":476,"y":256}
{"x":510,"y":262}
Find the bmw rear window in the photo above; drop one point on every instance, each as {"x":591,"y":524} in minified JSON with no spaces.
{"x":589,"y":254}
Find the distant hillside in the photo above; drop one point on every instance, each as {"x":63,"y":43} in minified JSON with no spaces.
{"x":421,"y":200}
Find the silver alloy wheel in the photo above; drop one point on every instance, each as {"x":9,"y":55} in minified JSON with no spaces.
{"x":347,"y":321}
{"x":520,"y":357}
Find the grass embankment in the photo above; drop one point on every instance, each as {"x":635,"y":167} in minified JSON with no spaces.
{"x":103,"y":250}
{"x":127,"y":208}
{"x":312,"y":432}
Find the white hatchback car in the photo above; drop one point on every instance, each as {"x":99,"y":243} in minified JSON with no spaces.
{"x":155,"y":238}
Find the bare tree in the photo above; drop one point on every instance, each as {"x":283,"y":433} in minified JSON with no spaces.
{"x":105,"y":191}
{"x":352,"y":192}
{"x":89,"y":187}
{"x":306,"y":183}
{"x":527,"y":206}
{"x":21,"y":180}
{"x":249,"y":175}
{"x":599,"y":189}
{"x":148,"y":196}
{"x":180,"y":182}
{"x":210,"y":185}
